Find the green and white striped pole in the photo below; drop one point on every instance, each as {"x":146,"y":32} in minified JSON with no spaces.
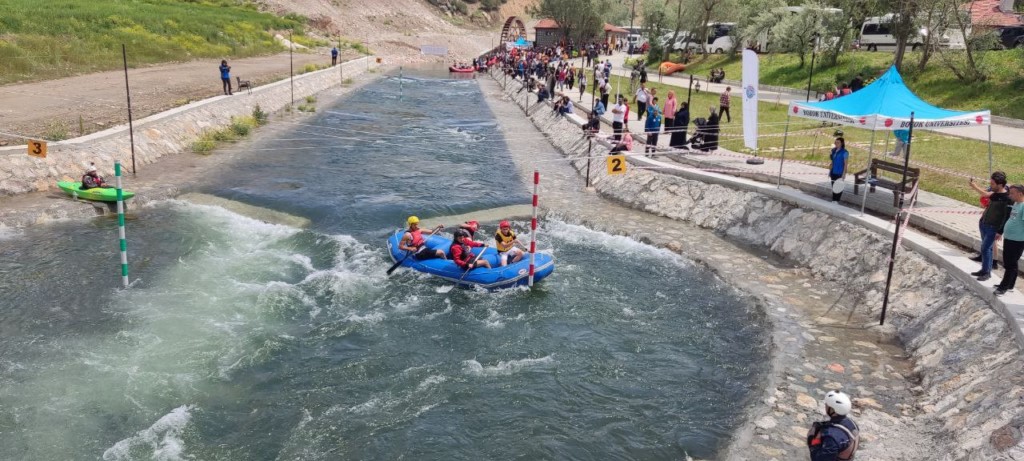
{"x":120,"y":224}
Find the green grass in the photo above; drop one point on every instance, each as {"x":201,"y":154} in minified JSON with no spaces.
{"x":70,"y":37}
{"x":929,"y":148}
{"x":1002,"y":93}
{"x":240,"y":127}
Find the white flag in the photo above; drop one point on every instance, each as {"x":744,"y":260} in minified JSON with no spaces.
{"x":749,"y":90}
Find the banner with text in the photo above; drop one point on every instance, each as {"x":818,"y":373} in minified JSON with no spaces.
{"x":749,"y":90}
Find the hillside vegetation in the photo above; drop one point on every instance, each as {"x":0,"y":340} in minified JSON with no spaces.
{"x":1002,"y":93}
{"x":69,"y":37}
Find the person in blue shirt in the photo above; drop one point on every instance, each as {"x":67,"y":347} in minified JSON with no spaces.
{"x":599,"y":108}
{"x":653,"y":126}
{"x":902,"y":138}
{"x":334,"y":56}
{"x":838,"y":438}
{"x":839,"y":157}
{"x":225,"y":76}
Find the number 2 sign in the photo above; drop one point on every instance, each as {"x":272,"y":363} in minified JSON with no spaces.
{"x":37,"y":148}
{"x":616,"y":164}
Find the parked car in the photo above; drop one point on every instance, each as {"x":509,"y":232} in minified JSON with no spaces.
{"x":877,"y":34}
{"x":1011,"y":37}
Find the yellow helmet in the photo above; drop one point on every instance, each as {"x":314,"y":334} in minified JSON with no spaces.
{"x":413,"y":220}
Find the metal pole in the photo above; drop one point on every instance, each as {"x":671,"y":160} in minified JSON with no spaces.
{"x":593,"y":92}
{"x":814,"y":52}
{"x":401,"y":84}
{"x":533,"y":227}
{"x":990,"y":149}
{"x":632,"y":15}
{"x":341,"y":64}
{"x":689,"y":91}
{"x":120,"y":224}
{"x":590,"y":147}
{"x":128,"y":94}
{"x":899,"y":221}
{"x":291,"y":66}
{"x":867,"y":186}
{"x":782,"y":160}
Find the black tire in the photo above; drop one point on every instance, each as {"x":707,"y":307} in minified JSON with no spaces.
{"x":914,"y":47}
{"x":719,"y":51}
{"x":872,"y":47}
{"x":1019,"y":44}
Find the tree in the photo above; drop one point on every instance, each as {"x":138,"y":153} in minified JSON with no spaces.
{"x":654,"y":19}
{"x":707,"y":9}
{"x":757,"y":18}
{"x":682,"y":14}
{"x":964,"y":64}
{"x":798,"y":33}
{"x":580,"y":20}
{"x":842,"y":29}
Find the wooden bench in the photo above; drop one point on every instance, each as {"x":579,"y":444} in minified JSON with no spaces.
{"x":860,"y":177}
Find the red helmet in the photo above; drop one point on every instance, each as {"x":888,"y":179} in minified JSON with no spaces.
{"x":504,"y":224}
{"x":473,"y":225}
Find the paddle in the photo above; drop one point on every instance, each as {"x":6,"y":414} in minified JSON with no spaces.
{"x":468,"y":268}
{"x":409,"y":253}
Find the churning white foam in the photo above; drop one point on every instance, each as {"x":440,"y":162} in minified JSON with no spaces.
{"x":472,"y":367}
{"x":580,"y":235}
{"x":161,"y":441}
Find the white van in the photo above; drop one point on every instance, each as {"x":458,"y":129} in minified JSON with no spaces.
{"x":876,"y":35}
{"x":719,"y":38}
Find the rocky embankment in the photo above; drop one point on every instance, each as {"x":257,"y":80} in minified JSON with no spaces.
{"x":966,"y":383}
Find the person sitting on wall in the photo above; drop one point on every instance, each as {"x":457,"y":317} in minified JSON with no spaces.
{"x":91,"y":179}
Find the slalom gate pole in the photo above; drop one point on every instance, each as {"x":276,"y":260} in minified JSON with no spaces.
{"x":990,"y":149}
{"x":590,"y":147}
{"x":899,"y":221}
{"x":120,"y":224}
{"x":533,"y":228}
{"x":131,"y":130}
{"x":401,"y":84}
{"x":291,"y":68}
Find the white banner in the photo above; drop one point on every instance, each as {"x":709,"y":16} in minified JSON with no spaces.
{"x":882,"y":122}
{"x":750,"y":90}
{"x":433,"y":50}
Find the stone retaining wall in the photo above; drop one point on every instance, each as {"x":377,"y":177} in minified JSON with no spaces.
{"x":968,"y":366}
{"x":165,"y":133}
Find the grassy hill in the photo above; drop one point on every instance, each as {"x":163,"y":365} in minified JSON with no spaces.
{"x":1002,"y":93}
{"x":69,"y":37}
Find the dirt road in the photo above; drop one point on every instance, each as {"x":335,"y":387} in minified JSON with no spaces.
{"x":52,"y":109}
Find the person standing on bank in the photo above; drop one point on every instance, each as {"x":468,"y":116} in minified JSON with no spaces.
{"x":669,"y":112}
{"x":1013,"y":240}
{"x":652,"y":127}
{"x":682,"y":119}
{"x":837,"y":171}
{"x":225,"y":76}
{"x":640,"y":98}
{"x":334,"y":56}
{"x":992,"y":221}
{"x":837,"y":438}
{"x":723,"y":104}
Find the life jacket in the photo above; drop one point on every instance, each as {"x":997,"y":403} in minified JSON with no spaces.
{"x":417,"y":238}
{"x":505,"y":241}
{"x":464,"y":258}
{"x":846,"y":454}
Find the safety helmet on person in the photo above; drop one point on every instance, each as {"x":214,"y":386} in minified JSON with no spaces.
{"x":838,"y":402}
{"x":504,"y":225}
{"x":413,"y":220}
{"x":461,"y":234}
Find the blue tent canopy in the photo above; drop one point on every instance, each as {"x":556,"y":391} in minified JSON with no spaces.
{"x":886,"y":104}
{"x":520,"y":43}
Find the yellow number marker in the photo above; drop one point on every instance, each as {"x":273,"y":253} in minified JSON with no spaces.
{"x":616,"y":164}
{"x":37,"y":148}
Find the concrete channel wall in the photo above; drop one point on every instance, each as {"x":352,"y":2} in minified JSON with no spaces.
{"x":168,"y":132}
{"x":968,"y":377}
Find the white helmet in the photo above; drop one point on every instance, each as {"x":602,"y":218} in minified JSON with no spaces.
{"x":839,"y":402}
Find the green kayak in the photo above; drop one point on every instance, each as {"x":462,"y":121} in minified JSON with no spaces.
{"x":99,"y":194}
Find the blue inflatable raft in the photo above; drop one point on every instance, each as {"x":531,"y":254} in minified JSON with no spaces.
{"x":491,"y":279}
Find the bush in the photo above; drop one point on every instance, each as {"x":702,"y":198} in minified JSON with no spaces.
{"x":307,"y":108}
{"x":491,"y":5}
{"x":259,"y":116}
{"x":56,"y":130}
{"x":460,"y":6}
{"x":311,"y":99}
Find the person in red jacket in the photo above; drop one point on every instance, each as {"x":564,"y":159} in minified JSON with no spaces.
{"x":462,"y":254}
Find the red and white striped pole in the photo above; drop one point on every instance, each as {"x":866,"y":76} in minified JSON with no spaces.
{"x":533,"y":226}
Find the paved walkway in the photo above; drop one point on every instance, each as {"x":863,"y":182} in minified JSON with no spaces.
{"x":1001,"y":134}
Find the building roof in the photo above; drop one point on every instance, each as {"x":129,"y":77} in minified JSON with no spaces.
{"x":614,"y":30}
{"x":988,"y":13}
{"x":547,"y":24}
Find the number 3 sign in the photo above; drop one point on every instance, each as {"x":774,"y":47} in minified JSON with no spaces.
{"x":37,"y":148}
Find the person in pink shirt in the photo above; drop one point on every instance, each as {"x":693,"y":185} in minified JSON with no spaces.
{"x":670,"y":112}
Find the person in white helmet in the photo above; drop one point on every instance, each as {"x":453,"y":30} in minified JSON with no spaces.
{"x":837,"y":438}
{"x":91,"y":179}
